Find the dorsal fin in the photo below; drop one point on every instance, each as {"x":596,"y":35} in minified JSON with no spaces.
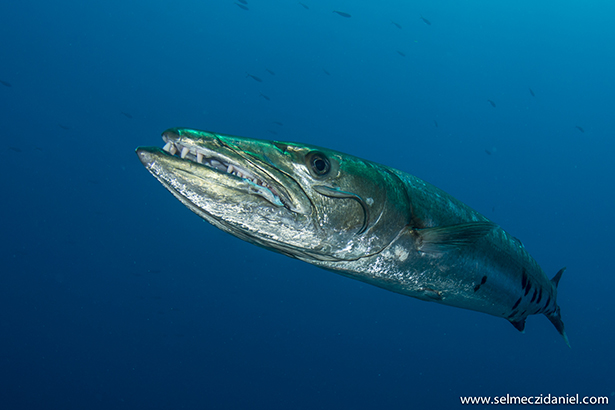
{"x":557,"y":277}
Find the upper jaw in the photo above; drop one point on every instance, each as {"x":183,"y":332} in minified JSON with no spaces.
{"x":208,"y":150}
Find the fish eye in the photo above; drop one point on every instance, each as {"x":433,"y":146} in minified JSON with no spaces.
{"x":318,"y":164}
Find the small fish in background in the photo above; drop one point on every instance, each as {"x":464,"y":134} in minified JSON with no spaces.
{"x":15,"y":149}
{"x":6,"y":84}
{"x":64,"y":127}
{"x":532,"y":93}
{"x":579,"y":128}
{"x":241,"y":6}
{"x":304,"y":6}
{"x":488,"y":152}
{"x":269,"y":71}
{"x":273,"y":132}
{"x":278,"y":123}
{"x":395,"y":24}
{"x":400,"y":53}
{"x":125,"y":114}
{"x":426,"y":21}
{"x":254,"y":77}
{"x":341,"y":13}
{"x":265,"y":97}
{"x":435,"y":123}
{"x":326,"y":72}
{"x":243,"y":2}
{"x":492,"y":103}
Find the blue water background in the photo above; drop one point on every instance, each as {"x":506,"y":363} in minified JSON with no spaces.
{"x":114,"y":295}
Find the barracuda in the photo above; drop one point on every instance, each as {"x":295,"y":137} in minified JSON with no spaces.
{"x":356,"y":218}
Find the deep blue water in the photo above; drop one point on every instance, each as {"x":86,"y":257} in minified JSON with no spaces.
{"x":114,"y":295}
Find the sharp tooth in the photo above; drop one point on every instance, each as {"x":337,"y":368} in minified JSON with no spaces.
{"x":199,"y":157}
{"x":230,"y":169}
{"x":167,"y":146}
{"x":185,"y":152}
{"x":172,"y":149}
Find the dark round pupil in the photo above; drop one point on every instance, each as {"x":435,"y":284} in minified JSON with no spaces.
{"x":320,"y":164}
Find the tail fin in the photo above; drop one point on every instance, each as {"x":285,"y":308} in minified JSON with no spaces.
{"x":556,"y":317}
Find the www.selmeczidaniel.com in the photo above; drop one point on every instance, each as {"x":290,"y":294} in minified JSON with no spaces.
{"x":542,"y":399}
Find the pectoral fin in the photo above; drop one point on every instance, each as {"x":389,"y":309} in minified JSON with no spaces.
{"x":445,"y":238}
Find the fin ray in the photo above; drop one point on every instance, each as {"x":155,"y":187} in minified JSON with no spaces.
{"x":444,"y":238}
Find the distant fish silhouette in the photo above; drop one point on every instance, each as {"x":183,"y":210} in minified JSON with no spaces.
{"x":532,"y":92}
{"x":14,"y":149}
{"x":488,"y":152}
{"x":278,"y":123}
{"x":6,"y":84}
{"x":400,"y":53}
{"x":435,"y":123}
{"x":395,"y":24}
{"x":264,"y":96}
{"x":426,"y":21}
{"x":269,"y":71}
{"x":326,"y":72}
{"x":243,"y":1}
{"x":341,"y":13}
{"x":125,"y":114}
{"x":273,"y":132}
{"x":579,"y":128}
{"x":64,"y":127}
{"x":241,"y":6}
{"x":492,"y":103}
{"x":255,"y":77}
{"x":304,"y":6}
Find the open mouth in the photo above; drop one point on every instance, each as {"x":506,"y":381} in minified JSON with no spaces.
{"x":256,"y":184}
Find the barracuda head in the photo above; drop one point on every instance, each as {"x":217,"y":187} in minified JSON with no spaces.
{"x":306,"y":202}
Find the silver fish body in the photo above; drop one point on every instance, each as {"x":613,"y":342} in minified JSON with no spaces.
{"x":357,"y":218}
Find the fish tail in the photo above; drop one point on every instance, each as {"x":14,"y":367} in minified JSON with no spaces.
{"x":556,"y":317}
